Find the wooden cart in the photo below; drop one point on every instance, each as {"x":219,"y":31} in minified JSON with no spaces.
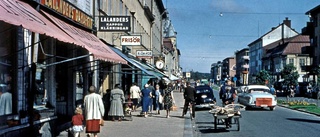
{"x":228,"y":116}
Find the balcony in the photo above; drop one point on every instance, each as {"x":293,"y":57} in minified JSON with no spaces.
{"x":245,"y":66}
{"x":245,"y":57}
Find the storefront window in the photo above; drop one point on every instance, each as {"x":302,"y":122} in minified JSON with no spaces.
{"x":5,"y":69}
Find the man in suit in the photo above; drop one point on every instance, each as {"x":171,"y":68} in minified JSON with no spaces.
{"x":189,"y":97}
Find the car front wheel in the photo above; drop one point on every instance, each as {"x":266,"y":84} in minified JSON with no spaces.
{"x":272,"y":108}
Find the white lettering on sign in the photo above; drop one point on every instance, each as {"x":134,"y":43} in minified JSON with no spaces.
{"x":144,"y":54}
{"x":131,"y":40}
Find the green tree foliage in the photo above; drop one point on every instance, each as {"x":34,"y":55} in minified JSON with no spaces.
{"x":290,"y":75}
{"x":262,"y":76}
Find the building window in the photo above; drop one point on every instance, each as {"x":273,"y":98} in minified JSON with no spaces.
{"x":109,"y":7}
{"x":6,"y":68}
{"x":291,"y":61}
{"x":302,"y":62}
{"x":120,"y":8}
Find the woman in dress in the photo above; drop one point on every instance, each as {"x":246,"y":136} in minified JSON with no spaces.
{"x":94,"y":111}
{"x":158,"y":99}
{"x":146,"y":96}
{"x":116,"y":105}
{"x":168,"y":99}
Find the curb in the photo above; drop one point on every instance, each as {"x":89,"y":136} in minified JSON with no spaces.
{"x":301,"y":110}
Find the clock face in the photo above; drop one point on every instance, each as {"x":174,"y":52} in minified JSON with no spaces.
{"x":159,"y":64}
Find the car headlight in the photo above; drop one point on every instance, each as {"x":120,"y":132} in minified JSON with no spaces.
{"x":203,"y":96}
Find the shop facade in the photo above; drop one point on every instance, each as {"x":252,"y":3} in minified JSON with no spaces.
{"x":47,"y":63}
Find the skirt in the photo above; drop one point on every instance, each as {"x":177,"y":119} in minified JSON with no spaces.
{"x":93,"y":126}
{"x":77,"y":128}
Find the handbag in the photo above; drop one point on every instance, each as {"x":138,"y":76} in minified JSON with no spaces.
{"x":173,"y":108}
{"x":160,"y":98}
{"x":101,"y":122}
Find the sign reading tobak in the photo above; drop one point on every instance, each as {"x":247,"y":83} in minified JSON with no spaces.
{"x":134,"y":40}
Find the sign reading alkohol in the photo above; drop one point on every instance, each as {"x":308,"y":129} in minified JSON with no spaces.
{"x":114,"y":23}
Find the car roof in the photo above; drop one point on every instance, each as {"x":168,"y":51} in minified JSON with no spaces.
{"x":254,"y":86}
{"x":202,"y":86}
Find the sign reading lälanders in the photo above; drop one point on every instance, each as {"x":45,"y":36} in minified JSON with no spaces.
{"x":114,"y":23}
{"x":134,"y":40}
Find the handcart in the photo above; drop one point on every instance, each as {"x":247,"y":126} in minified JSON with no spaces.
{"x":228,"y":116}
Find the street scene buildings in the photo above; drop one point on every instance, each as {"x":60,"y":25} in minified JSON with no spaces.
{"x":52,"y":51}
{"x":279,"y":47}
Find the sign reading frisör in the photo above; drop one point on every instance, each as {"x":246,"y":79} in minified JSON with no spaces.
{"x":133,"y":40}
{"x":114,"y":23}
{"x":144,"y":54}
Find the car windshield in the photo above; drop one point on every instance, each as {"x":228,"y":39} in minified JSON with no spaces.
{"x":203,"y":90}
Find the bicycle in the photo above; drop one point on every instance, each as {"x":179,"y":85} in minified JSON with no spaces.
{"x":191,"y":110}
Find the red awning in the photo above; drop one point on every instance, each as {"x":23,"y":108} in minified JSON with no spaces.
{"x":87,"y":40}
{"x":22,"y":14}
{"x":19,"y":13}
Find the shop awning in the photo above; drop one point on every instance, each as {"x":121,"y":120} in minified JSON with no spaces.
{"x":87,"y":40}
{"x":173,"y":77}
{"x":134,"y":63}
{"x":19,"y":13}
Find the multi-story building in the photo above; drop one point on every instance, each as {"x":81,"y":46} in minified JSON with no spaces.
{"x":228,"y":68}
{"x":313,"y":30}
{"x":282,"y":31}
{"x":242,"y":66}
{"x":287,"y":51}
{"x":216,"y":72}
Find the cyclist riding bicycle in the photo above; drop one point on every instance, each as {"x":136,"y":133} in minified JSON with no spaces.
{"x":189,"y":97}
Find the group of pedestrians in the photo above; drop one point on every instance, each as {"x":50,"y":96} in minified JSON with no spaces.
{"x":95,"y":109}
{"x":157,"y":98}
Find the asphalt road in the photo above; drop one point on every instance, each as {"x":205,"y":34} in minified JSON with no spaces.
{"x":281,"y":122}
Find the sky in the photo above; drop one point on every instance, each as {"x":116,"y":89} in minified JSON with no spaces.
{"x":209,"y":31}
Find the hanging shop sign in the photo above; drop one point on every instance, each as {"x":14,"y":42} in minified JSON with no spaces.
{"x":144,"y":54}
{"x":114,"y":23}
{"x":69,"y":10}
{"x":133,"y":40}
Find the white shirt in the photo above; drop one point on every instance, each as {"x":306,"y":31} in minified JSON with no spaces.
{"x":93,"y":106}
{"x":135,"y":91}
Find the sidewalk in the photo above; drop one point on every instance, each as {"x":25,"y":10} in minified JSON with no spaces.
{"x":154,"y":125}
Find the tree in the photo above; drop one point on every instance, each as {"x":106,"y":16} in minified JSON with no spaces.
{"x":290,"y":75}
{"x":262,"y":77}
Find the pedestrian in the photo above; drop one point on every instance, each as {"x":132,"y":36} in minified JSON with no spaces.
{"x":106,"y":103}
{"x":77,"y":122}
{"x":168,"y":99}
{"x":134,"y":95}
{"x":116,"y":105}
{"x":189,"y":97}
{"x":273,"y":91}
{"x":152,"y":89}
{"x":291,"y":91}
{"x":94,"y":111}
{"x":158,"y":99}
{"x":146,"y":96}
{"x":5,"y":100}
{"x":227,"y":93}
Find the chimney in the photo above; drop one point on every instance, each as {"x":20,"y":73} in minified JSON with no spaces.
{"x":287,"y":22}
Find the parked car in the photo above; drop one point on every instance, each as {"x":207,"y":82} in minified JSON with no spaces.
{"x":256,"y":96}
{"x":204,"y":97}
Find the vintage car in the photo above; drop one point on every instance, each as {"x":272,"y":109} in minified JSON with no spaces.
{"x":256,"y":96}
{"x":204,"y":97}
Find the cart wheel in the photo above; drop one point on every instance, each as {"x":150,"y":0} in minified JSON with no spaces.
{"x":237,"y":122}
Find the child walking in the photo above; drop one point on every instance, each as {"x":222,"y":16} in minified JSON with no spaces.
{"x":77,"y":122}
